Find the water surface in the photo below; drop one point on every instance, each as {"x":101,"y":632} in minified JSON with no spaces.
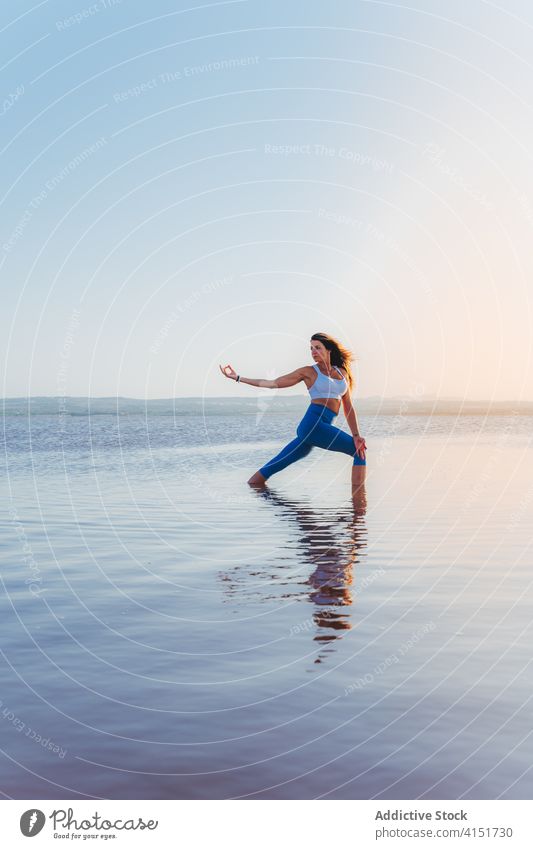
{"x":169,"y":633}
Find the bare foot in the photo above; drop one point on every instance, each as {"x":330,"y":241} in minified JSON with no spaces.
{"x":257,"y":480}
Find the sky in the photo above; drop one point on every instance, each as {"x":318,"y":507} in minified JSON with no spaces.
{"x":191,"y":184}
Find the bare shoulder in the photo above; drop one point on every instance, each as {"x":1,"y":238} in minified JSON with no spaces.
{"x":308,"y":374}
{"x":293,"y":377}
{"x":303,"y":371}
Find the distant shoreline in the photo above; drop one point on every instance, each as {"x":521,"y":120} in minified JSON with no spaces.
{"x":258,"y":404}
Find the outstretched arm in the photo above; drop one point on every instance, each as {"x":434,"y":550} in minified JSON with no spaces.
{"x":290,"y":379}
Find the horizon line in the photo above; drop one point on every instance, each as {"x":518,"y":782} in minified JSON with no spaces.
{"x":425,"y":398}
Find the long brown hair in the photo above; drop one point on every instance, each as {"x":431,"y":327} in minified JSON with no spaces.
{"x":339,"y":354}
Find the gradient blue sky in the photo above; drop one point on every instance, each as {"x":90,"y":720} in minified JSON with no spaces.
{"x":155,"y":223}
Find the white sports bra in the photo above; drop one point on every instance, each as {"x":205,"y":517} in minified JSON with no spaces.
{"x":328,"y":387}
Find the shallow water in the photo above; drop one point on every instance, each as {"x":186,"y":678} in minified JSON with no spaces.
{"x":169,"y":633}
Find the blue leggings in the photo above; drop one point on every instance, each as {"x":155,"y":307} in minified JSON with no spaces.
{"x":314,"y":429}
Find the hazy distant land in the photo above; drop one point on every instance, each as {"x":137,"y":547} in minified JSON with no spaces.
{"x":266,"y":404}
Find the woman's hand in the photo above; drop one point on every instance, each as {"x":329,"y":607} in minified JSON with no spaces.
{"x":228,"y":371}
{"x":360,"y":446}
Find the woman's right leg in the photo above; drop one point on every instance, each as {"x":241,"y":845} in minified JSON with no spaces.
{"x":292,"y":452}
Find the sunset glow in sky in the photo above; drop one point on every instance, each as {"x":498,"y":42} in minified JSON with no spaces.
{"x":183,"y":188}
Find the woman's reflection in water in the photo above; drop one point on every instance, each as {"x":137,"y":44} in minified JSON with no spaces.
{"x":333,"y":542}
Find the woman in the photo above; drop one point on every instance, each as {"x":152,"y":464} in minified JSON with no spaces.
{"x":326,"y":389}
